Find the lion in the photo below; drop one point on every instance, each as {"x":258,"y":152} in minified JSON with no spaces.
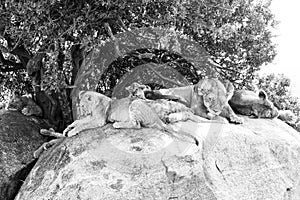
{"x":24,"y":105}
{"x":208,"y":98}
{"x":249,"y":103}
{"x":93,"y":108}
{"x":134,"y":111}
{"x":169,"y":108}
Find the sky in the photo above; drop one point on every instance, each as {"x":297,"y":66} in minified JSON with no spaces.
{"x":287,"y":60}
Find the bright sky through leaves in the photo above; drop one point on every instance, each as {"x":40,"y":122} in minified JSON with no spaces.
{"x":288,"y":40}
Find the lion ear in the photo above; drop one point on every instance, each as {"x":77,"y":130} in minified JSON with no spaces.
{"x":262,"y":95}
{"x":128,"y":88}
{"x":196,"y":89}
{"x":81,"y":93}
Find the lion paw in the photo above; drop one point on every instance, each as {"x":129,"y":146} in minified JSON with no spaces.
{"x":237,"y":120}
{"x":44,"y":147}
{"x":69,"y":132}
{"x":173,"y":117}
{"x":74,"y":128}
{"x":117,"y":125}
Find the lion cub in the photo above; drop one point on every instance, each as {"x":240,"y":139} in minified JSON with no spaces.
{"x":249,"y":103}
{"x":25,"y":105}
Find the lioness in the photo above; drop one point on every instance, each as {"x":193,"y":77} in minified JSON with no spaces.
{"x":133,"y":111}
{"x":169,"y":108}
{"x":208,"y":98}
{"x":249,"y":103}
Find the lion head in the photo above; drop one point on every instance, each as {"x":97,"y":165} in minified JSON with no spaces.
{"x":267,"y":108}
{"x":247,"y":102}
{"x":137,"y":90}
{"x":93,"y":104}
{"x":213,"y":94}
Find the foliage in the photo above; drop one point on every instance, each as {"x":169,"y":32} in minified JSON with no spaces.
{"x":236,"y":33}
{"x":142,"y":62}
{"x":278,"y":88}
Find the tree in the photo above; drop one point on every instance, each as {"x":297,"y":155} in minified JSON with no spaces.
{"x":236,"y":33}
{"x":278,"y":88}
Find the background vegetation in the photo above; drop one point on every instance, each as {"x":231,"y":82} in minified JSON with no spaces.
{"x":278,"y":87}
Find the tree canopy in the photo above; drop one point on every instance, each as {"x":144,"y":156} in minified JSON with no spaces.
{"x":59,"y":33}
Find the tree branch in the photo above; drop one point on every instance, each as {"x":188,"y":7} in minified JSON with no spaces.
{"x":163,"y":77}
{"x":21,"y":51}
{"x":109,"y":31}
{"x":111,"y":35}
{"x":121,"y":23}
{"x":216,"y":65}
{"x":77,"y":59}
{"x":23,"y":54}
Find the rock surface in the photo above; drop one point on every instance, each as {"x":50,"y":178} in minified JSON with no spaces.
{"x":19,"y":138}
{"x":257,"y":160}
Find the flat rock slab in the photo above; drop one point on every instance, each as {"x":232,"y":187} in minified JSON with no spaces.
{"x":257,"y":160}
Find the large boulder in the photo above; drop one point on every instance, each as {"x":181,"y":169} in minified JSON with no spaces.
{"x":19,"y":138}
{"x":257,"y":160}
